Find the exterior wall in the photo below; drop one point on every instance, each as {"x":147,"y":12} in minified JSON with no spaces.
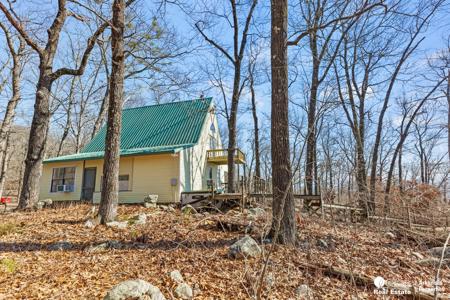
{"x":46,"y":179}
{"x":148,"y":174}
{"x":194,"y":168}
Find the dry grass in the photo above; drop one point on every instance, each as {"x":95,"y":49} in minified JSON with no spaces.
{"x":193,"y":245}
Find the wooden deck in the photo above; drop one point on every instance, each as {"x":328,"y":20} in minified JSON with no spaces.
{"x":220,"y":156}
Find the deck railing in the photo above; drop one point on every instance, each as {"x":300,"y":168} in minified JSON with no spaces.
{"x":221,"y":156}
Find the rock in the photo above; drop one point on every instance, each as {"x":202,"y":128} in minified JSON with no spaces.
{"x":60,"y":246}
{"x":184,"y":291}
{"x":151,"y":199}
{"x":304,"y":292}
{"x":245,"y":247}
{"x":134,"y":289}
{"x":149,"y":205}
{"x":116,"y":224}
{"x":327,"y":244}
{"x":196,"y":289}
{"x":188,"y":209}
{"x":390,"y":235}
{"x":437,"y":252}
{"x":92,"y":222}
{"x":47,"y":202}
{"x":89,"y":224}
{"x":176,"y":276}
{"x":140,"y":219}
{"x":39,"y":205}
{"x":168,"y":208}
{"x":104,"y":246}
{"x":417,"y":255}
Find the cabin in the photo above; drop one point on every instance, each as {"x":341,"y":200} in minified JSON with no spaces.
{"x":166,"y":150}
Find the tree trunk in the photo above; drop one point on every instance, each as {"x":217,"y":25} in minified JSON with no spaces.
{"x":41,"y":117}
{"x":37,"y":141}
{"x":110,"y":184}
{"x":4,"y":165}
{"x":310,"y":175}
{"x":448,"y":114}
{"x":232,"y":127}
{"x":102,"y":114}
{"x":283,"y":223}
{"x":255,"y":125}
{"x":8,"y":118}
{"x":68,"y":117}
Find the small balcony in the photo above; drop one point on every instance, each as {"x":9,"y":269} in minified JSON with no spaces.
{"x":220,"y":156}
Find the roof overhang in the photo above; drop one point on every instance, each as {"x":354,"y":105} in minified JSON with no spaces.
{"x":128,"y":152}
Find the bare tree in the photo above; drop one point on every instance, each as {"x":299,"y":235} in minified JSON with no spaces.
{"x":8,"y":119}
{"x":110,"y":183}
{"x":404,"y":134}
{"x":235,"y":57}
{"x":41,"y":117}
{"x":283,"y":223}
{"x":251,"y":82}
{"x":420,"y":21}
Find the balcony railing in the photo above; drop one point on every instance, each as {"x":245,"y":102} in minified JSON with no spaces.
{"x":220,"y":156}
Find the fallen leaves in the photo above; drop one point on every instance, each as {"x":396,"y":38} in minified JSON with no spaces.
{"x":192,"y":244}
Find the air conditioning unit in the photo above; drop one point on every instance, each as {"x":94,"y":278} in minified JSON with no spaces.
{"x":65,"y":188}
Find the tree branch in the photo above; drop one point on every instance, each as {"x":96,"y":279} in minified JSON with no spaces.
{"x":217,"y":46}
{"x":90,"y":45}
{"x":304,"y":34}
{"x":18,"y":26}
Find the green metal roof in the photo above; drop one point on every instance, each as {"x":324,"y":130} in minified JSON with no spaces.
{"x":162,"y":128}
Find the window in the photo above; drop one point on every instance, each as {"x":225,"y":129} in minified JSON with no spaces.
{"x":124,"y":182}
{"x":61,"y":177}
{"x":212,"y":142}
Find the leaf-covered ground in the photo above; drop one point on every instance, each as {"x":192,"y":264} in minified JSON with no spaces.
{"x":33,"y":266}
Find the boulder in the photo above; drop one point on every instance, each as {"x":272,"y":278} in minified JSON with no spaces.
{"x":151,"y":199}
{"x":184,"y":291}
{"x":390,"y":235}
{"x":168,"y":208}
{"x":176,"y":276}
{"x":47,"y":202}
{"x":140,"y":219}
{"x":245,"y":247}
{"x":437,"y":252}
{"x":304,"y":292}
{"x":117,"y":224}
{"x":149,"y":205}
{"x":92,"y":222}
{"x":39,"y":205}
{"x":134,"y":289}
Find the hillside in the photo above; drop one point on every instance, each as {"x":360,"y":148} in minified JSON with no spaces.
{"x":50,"y":254}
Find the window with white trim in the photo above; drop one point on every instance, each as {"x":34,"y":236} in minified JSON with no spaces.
{"x":63,"y":179}
{"x":124,"y":182}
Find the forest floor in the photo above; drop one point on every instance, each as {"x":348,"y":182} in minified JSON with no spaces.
{"x":43,"y":256}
